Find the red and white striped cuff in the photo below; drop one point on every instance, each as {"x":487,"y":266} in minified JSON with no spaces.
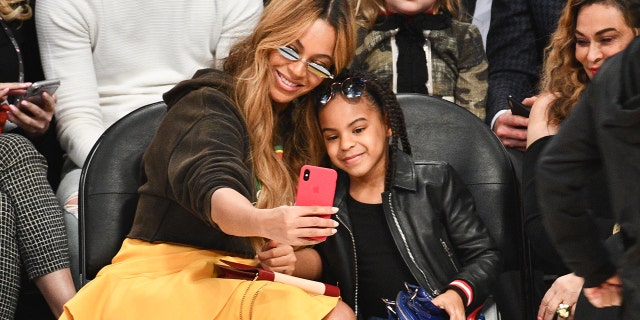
{"x":465,"y":288}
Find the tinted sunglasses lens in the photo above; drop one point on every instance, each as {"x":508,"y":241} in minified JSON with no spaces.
{"x":289,"y":53}
{"x":331,"y":91}
{"x":319,"y":70}
{"x":353,"y":87}
{"x":325,"y":97}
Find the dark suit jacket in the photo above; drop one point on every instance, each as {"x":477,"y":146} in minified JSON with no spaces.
{"x":518,"y":33}
{"x":469,"y":7}
{"x":603,"y":131}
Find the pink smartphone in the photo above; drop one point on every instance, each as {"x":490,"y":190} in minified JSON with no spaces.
{"x":316,"y":187}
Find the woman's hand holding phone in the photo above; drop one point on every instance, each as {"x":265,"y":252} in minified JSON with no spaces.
{"x":316,"y":187}
{"x":32,"y":114}
{"x":298,"y":225}
{"x":32,"y":118}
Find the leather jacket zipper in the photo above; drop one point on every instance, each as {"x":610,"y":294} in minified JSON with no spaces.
{"x":433,"y":290}
{"x":355,"y":260}
{"x":449,"y":254}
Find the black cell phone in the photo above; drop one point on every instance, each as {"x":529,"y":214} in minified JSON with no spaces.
{"x":517,"y":107}
{"x":34,"y":92}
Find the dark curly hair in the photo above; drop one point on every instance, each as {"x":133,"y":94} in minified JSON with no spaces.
{"x":380,"y":93}
{"x":563,"y":74}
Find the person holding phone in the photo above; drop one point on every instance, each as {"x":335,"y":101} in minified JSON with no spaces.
{"x":363,"y":129}
{"x":33,"y":243}
{"x":33,"y":118}
{"x":215,"y":187}
{"x":588,"y":33}
{"x":20,"y":66}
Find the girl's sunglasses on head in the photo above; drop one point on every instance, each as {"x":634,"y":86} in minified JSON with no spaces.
{"x":351,"y":88}
{"x":315,"y":68}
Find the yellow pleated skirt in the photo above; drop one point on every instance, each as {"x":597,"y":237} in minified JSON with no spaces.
{"x":167,"y":281}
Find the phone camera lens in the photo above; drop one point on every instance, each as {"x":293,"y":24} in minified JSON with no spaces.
{"x":305,"y":176}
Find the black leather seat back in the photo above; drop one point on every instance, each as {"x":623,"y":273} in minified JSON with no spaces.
{"x":109,"y":187}
{"x":441,"y":130}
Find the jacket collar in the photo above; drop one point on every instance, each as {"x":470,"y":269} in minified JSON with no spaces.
{"x":405,"y":176}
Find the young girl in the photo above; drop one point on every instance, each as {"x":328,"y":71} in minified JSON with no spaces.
{"x":424,"y":47}
{"x":399,"y":221}
{"x":214,"y":151}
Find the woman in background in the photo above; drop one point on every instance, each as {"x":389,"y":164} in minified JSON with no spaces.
{"x":589,"y":32}
{"x":32,"y":231}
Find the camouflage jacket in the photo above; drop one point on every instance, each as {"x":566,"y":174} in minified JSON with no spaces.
{"x":456,"y":63}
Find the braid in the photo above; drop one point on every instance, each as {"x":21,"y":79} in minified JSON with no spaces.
{"x":385,"y":99}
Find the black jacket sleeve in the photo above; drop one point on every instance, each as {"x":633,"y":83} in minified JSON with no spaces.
{"x":546,"y":256}
{"x":565,"y":168}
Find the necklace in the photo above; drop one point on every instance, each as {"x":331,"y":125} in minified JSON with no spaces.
{"x":13,"y":41}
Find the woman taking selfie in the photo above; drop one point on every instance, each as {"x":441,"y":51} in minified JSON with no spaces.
{"x":215,"y":188}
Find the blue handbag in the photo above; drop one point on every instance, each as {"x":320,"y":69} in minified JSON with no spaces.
{"x":414,"y":303}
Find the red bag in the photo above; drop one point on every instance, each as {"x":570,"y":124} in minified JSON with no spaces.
{"x":234,"y":270}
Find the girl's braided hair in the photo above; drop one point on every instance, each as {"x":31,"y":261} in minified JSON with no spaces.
{"x":380,"y":93}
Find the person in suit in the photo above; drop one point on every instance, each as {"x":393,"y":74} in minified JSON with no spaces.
{"x":518,"y":34}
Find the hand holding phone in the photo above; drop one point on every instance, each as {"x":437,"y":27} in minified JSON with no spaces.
{"x":517,"y":107}
{"x":34,"y":92}
{"x":316,"y":187}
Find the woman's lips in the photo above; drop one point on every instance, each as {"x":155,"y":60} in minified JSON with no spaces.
{"x":286,"y":84}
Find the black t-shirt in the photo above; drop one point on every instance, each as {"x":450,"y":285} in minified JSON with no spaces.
{"x":381,"y":269}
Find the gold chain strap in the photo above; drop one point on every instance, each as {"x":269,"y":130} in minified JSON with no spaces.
{"x":245,"y":295}
{"x":253,"y":300}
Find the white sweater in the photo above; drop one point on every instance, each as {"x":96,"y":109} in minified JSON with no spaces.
{"x":114,"y":56}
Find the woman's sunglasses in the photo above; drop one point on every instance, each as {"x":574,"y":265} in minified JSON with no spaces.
{"x":315,"y":68}
{"x":351,"y":88}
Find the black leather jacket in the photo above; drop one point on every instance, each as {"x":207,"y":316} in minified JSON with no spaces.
{"x":431,"y":217}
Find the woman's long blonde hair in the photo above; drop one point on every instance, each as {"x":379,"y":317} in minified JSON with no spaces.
{"x":563,"y":75}
{"x":368,"y":11}
{"x":282,"y":22}
{"x":15,"y":10}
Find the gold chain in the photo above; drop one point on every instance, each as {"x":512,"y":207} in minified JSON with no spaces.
{"x":255,"y":295}
{"x":245,"y":295}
